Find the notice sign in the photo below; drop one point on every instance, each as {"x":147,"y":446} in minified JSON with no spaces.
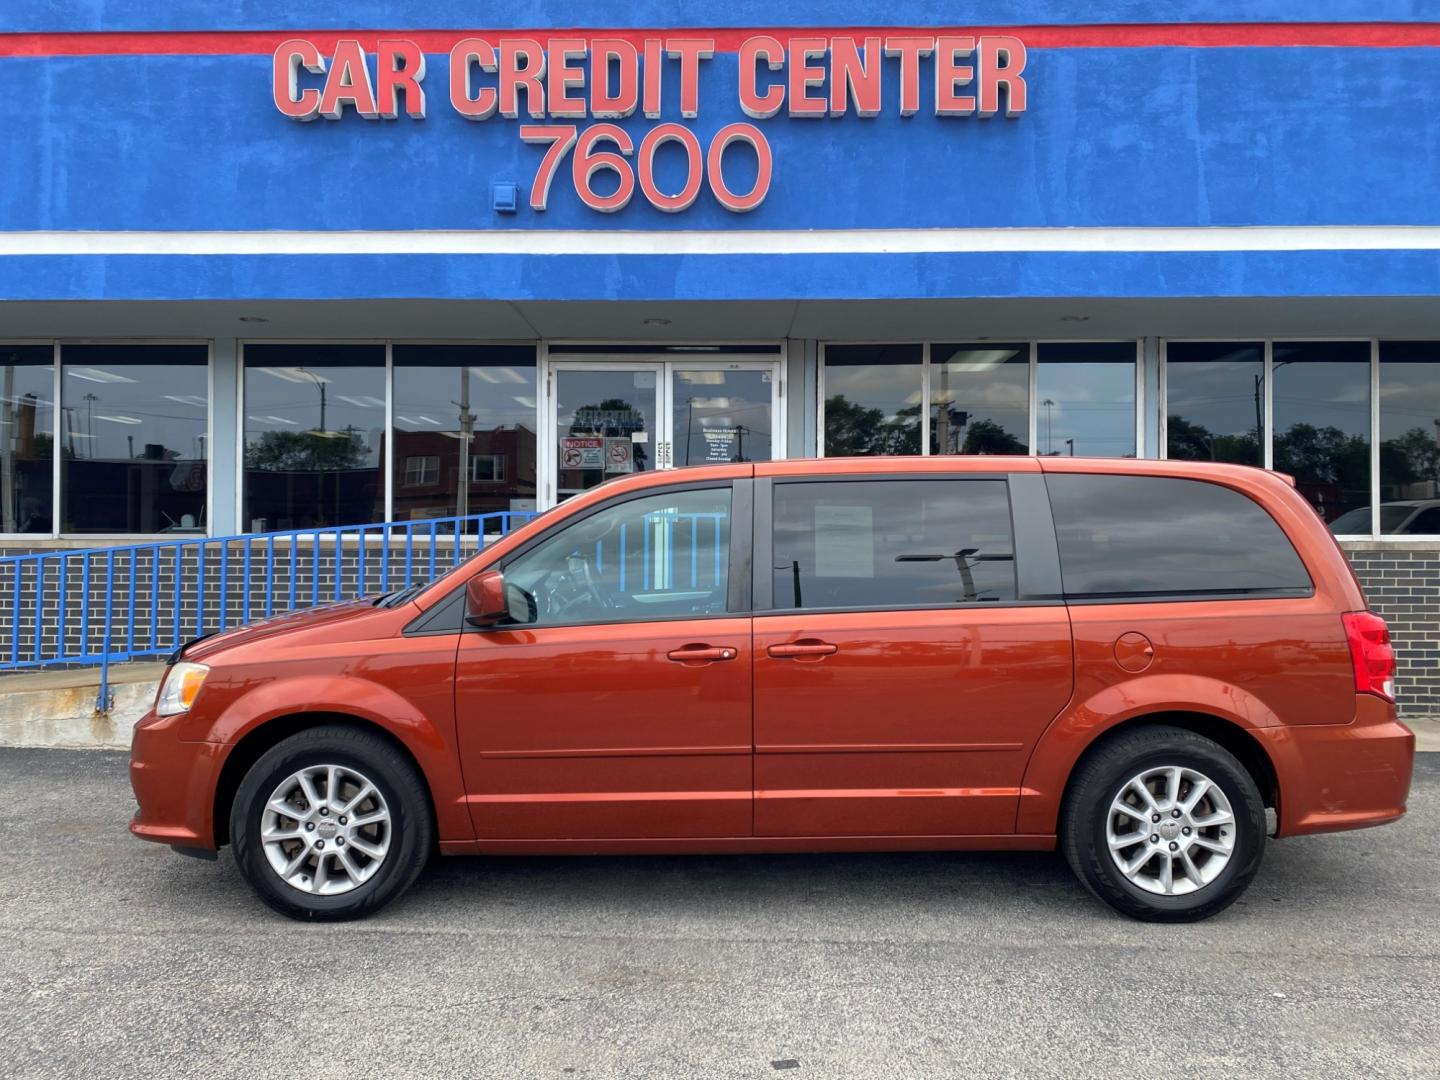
{"x":619,"y":456}
{"x":721,"y":444}
{"x":582,"y":453}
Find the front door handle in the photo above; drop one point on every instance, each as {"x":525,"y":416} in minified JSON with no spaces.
{"x":807,"y":647}
{"x":701,"y":654}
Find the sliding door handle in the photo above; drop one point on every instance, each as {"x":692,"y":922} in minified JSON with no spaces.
{"x":804,"y":648}
{"x":701,"y":654}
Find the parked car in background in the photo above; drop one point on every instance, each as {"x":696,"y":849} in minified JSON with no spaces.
{"x":1408,"y":517}
{"x":1151,"y":665}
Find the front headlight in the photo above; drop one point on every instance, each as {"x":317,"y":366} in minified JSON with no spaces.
{"x":180,"y":688}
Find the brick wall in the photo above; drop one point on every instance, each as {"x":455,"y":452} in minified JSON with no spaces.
{"x":1403,"y":584}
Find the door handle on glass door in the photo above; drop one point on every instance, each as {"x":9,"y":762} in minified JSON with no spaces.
{"x":806,"y":647}
{"x":702,"y":654}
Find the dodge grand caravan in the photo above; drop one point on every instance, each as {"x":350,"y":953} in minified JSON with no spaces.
{"x":1150,"y":665}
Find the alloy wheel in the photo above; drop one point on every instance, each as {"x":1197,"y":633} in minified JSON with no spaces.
{"x":326,"y":829}
{"x":1170,"y":830}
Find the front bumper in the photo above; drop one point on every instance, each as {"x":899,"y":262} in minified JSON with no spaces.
{"x":174,"y":783}
{"x":1346,"y":776}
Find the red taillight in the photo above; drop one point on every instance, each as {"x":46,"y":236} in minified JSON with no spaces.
{"x":1371,"y":653}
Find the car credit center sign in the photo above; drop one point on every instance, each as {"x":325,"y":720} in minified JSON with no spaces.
{"x":554,"y":90}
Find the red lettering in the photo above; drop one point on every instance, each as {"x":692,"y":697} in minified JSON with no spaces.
{"x":805,"y":76}
{"x":690,"y":53}
{"x":951,"y":73}
{"x":522,"y":67}
{"x":626,"y":98}
{"x":852,"y":78}
{"x":399,"y":70}
{"x":1002,"y":59}
{"x":565,"y":76}
{"x":653,"y":74}
{"x":910,"y":50}
{"x":290,"y":57}
{"x":464,"y":58}
{"x":348,"y":83}
{"x":764,"y":161}
{"x":761,"y":106}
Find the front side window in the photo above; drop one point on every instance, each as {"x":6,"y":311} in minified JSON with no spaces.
{"x":1142,"y":536}
{"x":892,"y":544}
{"x":314,"y":427}
{"x":1085,"y":398}
{"x":1322,"y":422}
{"x":873,"y":395}
{"x":27,"y":442}
{"x":134,"y":430}
{"x":664,"y":556}
{"x":1215,"y":401}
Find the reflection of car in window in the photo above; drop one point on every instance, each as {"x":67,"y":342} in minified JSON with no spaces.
{"x":1411,"y":517}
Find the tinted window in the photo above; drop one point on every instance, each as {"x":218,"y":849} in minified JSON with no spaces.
{"x":892,"y":543}
{"x":663,"y":556}
{"x":1156,"y":536}
{"x":872,"y":399}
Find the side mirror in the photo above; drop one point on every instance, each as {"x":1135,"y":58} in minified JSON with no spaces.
{"x":485,"y":599}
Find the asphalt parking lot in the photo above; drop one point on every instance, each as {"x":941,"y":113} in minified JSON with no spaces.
{"x":120,"y":959}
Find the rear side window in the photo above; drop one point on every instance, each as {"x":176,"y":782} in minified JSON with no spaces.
{"x":892,"y":544}
{"x":1139,"y":536}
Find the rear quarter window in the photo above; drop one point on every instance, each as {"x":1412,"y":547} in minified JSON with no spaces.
{"x":1153,"y":536}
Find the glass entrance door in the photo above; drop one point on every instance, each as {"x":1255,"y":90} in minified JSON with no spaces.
{"x":605,"y":421}
{"x":611,"y":416}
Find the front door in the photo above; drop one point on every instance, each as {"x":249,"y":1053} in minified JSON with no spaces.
{"x":609,"y":416}
{"x":616,"y":703}
{"x":901,"y":681}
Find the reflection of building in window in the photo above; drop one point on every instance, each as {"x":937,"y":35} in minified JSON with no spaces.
{"x":422,"y":471}
{"x":487,"y":469}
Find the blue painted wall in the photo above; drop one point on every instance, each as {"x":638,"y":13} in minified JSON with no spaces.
{"x":37,"y":15}
{"x":1131,"y":137}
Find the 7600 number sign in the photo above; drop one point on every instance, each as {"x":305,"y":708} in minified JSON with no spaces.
{"x":609,"y":148}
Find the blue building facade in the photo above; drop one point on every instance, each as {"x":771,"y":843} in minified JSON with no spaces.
{"x":263,"y":268}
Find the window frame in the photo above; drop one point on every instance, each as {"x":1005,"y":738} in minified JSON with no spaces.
{"x":425,"y":461}
{"x":1032,"y":403}
{"x":498,"y":459}
{"x":56,"y":345}
{"x":738,"y":584}
{"x":1375,"y":535}
{"x":1032,"y":532}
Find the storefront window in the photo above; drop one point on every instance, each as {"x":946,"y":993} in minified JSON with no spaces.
{"x":1085,"y":399}
{"x":1322,"y":423}
{"x":979,"y":399}
{"x":1215,"y":401}
{"x":133,"y":434}
{"x":27,"y":445}
{"x":1409,"y":438}
{"x":314,"y":427}
{"x":463,"y":411}
{"x":873,"y":395}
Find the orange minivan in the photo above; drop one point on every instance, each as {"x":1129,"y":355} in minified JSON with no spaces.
{"x":1152,"y":665}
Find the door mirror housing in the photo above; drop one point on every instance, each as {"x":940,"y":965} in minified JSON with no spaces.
{"x":485,"y":603}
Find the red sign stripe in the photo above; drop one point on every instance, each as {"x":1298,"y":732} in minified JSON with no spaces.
{"x":727,"y":39}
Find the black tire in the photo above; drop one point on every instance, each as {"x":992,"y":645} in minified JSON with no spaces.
{"x":406,"y":797}
{"x":1099,"y":779}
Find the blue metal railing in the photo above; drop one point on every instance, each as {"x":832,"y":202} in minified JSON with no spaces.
{"x":109,"y":605}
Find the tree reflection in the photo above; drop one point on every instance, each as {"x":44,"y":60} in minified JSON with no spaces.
{"x":853,"y":430}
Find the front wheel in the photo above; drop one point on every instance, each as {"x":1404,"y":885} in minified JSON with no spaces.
{"x":330,"y":824}
{"x":1164,"y":825}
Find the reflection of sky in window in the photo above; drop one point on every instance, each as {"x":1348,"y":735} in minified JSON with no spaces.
{"x":1213,"y":384}
{"x":885,"y":377}
{"x":1324,"y":384}
{"x":1092,"y":389}
{"x":723,"y":402}
{"x":432,"y":380}
{"x":1409,"y":388}
{"x":286,"y":386}
{"x":987,"y":382}
{"x":117,"y":400}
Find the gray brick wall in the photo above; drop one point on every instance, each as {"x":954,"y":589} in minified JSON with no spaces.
{"x":1403,"y":584}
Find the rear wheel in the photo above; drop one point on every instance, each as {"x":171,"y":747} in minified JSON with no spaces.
{"x":332,"y":823}
{"x":1164,"y":824}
